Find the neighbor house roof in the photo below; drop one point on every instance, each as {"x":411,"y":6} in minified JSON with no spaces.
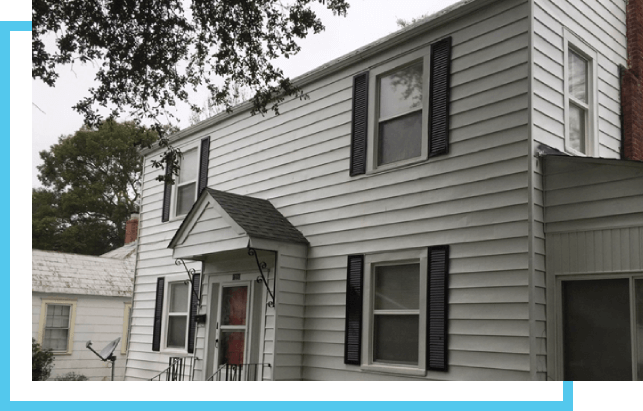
{"x":126,"y":251}
{"x":63,"y":273}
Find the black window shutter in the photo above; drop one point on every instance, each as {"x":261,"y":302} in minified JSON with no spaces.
{"x":203,"y":165}
{"x":194,"y":308}
{"x":353,"y":332}
{"x":437,"y":315}
{"x":158,"y":314}
{"x":167,"y":192}
{"x":439,"y":97}
{"x":359,"y":129}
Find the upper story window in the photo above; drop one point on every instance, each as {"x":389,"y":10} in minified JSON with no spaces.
{"x":178,"y":198}
{"x":581,"y":120}
{"x":400,"y":126}
{"x":401,"y":110}
{"x":186,"y":182}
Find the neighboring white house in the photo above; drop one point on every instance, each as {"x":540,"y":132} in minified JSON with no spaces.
{"x":77,"y":298}
{"x":451,"y":203}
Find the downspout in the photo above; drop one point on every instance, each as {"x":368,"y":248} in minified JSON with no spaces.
{"x":531,"y":269}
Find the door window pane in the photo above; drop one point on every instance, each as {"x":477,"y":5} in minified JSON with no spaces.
{"x":638,"y":291}
{"x":396,"y":339}
{"x":577,"y":76}
{"x":176,"y":327}
{"x":234,"y":305}
{"x":596,"y":330}
{"x":231,"y":348}
{"x":401,"y":91}
{"x":400,"y":138}
{"x":577,"y":122}
{"x":397,"y":287}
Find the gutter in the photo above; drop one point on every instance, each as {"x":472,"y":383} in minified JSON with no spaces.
{"x":441,"y":17}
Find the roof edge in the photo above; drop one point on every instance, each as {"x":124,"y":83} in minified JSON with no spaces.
{"x":377,"y":46}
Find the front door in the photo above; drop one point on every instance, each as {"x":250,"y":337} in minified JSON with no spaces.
{"x":232,"y":325}
{"x":235,"y":324}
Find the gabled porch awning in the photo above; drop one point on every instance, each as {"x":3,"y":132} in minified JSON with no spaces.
{"x":220,"y":221}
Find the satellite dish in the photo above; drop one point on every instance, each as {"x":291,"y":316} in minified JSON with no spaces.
{"x":106,"y":352}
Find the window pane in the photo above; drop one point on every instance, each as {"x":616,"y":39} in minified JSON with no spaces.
{"x":234,"y":306}
{"x":638,"y":290}
{"x":401,"y":91}
{"x":577,"y":76}
{"x":231,"y":349}
{"x":55,"y":339}
{"x":597,"y":343}
{"x":57,"y":316}
{"x":397,"y":287}
{"x":577,"y":122}
{"x":176,"y":327}
{"x":189,"y":164}
{"x":395,"y":339}
{"x":185,"y":198}
{"x":400,"y":138}
{"x":179,"y":298}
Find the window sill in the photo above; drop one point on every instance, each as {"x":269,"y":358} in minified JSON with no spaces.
{"x":397,"y":370}
{"x":177,"y":352}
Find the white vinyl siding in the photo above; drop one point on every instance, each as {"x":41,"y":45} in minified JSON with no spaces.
{"x":475,"y":199}
{"x":99,"y":319}
{"x":600,"y":25}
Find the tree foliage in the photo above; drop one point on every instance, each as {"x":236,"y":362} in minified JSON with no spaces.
{"x":91,"y":185}
{"x":41,"y":362}
{"x":151,"y":53}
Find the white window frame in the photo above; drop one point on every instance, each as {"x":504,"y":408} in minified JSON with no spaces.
{"x":176,"y":185}
{"x":557,"y":337}
{"x":375,"y":75}
{"x":72,"y":322}
{"x":573,"y":42}
{"x":127,"y":313}
{"x":169,"y":280}
{"x":371,"y":261}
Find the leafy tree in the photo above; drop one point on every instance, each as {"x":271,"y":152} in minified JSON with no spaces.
{"x":91,"y":186}
{"x":41,"y":362}
{"x":151,"y":53}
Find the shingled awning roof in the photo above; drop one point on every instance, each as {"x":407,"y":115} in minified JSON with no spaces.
{"x":252,"y":218}
{"x":259,"y":218}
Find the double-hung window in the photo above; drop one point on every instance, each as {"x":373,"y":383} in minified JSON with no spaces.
{"x":401,"y":110}
{"x":396,"y":311}
{"x":174,"y":326}
{"x":178,"y":198}
{"x":581,"y":121}
{"x":177,"y":315}
{"x":186,"y":184}
{"x":57,"y":325}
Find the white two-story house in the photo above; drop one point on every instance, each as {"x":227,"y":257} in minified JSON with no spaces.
{"x":460,"y":200}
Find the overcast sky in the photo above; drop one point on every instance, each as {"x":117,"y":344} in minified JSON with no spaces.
{"x":367,"y":21}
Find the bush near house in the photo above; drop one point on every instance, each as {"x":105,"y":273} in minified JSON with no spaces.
{"x":71,"y":376}
{"x":41,"y":362}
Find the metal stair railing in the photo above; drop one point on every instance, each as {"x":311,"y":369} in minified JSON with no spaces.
{"x":238,"y":372}
{"x":176,"y":370}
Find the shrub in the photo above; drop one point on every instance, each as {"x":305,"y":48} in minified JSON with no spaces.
{"x":41,"y":362}
{"x":71,"y":376}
